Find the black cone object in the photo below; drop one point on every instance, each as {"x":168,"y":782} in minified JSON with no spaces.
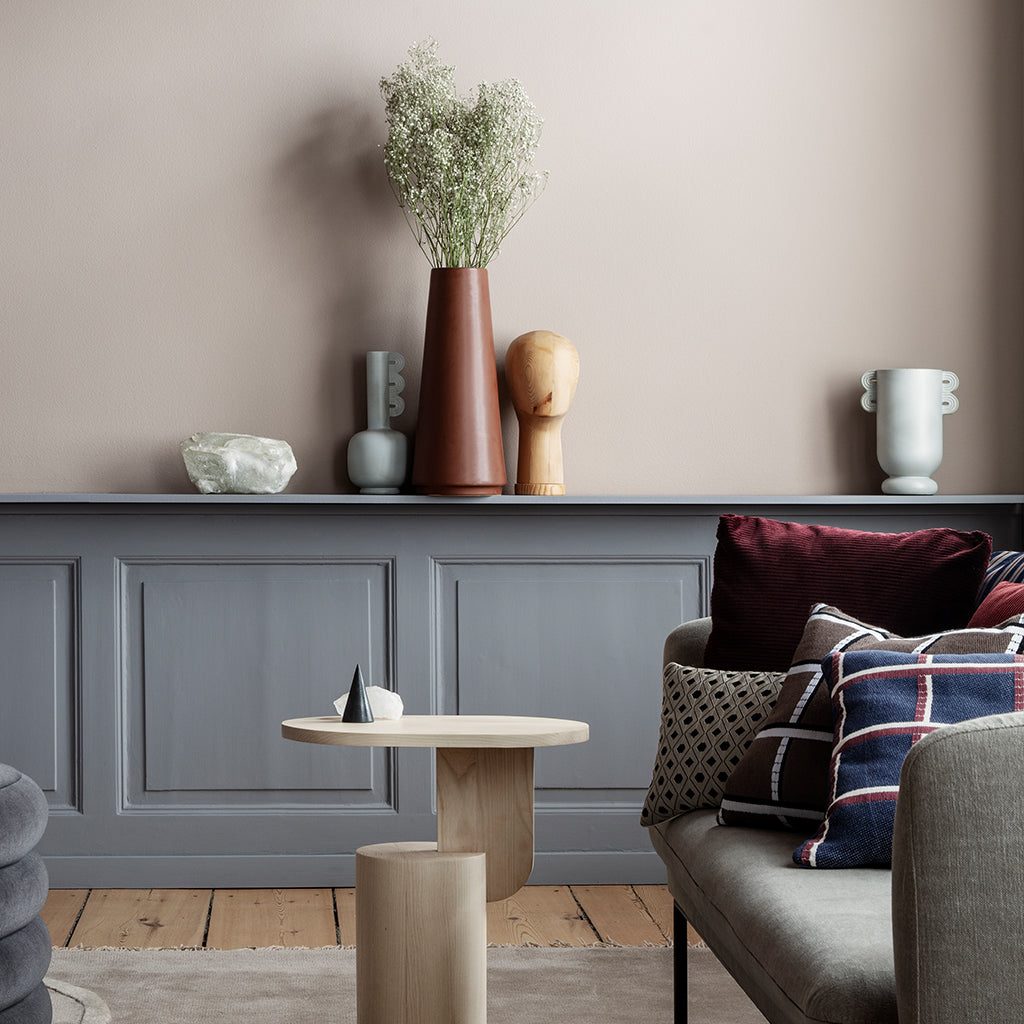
{"x":357,"y":707}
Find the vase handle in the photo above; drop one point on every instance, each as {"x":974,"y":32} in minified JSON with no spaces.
{"x":869,"y":400}
{"x":950,"y":382}
{"x":396,"y":383}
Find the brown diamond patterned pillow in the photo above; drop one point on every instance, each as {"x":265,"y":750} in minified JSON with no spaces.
{"x":782,"y":781}
{"x":708,"y":718}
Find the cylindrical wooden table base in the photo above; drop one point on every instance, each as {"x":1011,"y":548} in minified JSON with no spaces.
{"x":421,"y":935}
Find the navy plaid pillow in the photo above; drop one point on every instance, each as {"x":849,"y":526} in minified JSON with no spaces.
{"x":782,"y":779}
{"x":882,"y":703}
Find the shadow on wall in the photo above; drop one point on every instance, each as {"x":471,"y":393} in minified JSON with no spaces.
{"x":1004,"y":258}
{"x":338,"y":208}
{"x":992,"y":368}
{"x":853,"y":440}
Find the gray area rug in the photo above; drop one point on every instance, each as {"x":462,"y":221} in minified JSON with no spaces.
{"x":597,"y":985}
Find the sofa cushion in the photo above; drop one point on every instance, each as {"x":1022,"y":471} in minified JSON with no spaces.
{"x":1003,"y":565}
{"x":803,"y":948}
{"x":782,"y":781}
{"x":23,"y":814}
{"x":708,"y":719}
{"x":768,"y":574}
{"x":883,"y":702}
{"x":1004,"y":600}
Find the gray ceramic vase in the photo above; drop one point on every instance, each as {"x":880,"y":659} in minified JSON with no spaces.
{"x":378,"y":457}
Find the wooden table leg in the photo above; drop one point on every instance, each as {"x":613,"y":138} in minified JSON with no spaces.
{"x":485,"y":802}
{"x":421,"y":935}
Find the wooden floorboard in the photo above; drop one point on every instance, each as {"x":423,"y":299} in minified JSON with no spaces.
{"x":657,"y":901}
{"x":618,"y":915}
{"x":61,"y":911}
{"x":143,"y":918}
{"x":345,"y":902}
{"x":258,"y":918}
{"x":542,"y":915}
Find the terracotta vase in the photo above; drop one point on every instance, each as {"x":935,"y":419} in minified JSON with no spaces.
{"x":458,"y":447}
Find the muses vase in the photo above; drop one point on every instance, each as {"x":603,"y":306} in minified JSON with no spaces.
{"x":458,"y":449}
{"x":378,"y":456}
{"x":542,"y":369}
{"x":910,"y":404}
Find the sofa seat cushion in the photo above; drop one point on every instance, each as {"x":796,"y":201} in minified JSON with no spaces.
{"x":805,"y":946}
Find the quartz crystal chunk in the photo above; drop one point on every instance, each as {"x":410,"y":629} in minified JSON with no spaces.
{"x":238,"y":463}
{"x":383,"y":703}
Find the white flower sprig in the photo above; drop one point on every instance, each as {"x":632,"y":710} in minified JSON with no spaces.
{"x":461,"y":168}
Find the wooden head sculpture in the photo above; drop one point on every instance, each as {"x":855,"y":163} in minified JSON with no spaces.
{"x":542,"y":369}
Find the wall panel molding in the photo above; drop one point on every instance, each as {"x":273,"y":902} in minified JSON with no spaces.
{"x":152,"y":644}
{"x":42,"y":734}
{"x":285,"y":634}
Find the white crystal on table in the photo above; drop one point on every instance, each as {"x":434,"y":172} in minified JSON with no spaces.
{"x":383,"y":703}
{"x":238,"y":463}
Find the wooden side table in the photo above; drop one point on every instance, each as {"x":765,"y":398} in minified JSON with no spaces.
{"x":421,"y":919}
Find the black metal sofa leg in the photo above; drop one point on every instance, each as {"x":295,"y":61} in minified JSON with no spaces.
{"x":679,"y":963}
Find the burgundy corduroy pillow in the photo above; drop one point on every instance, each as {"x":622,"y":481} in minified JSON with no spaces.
{"x":768,"y":575}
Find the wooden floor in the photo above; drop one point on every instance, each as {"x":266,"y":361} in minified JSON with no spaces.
{"x":543,"y":915}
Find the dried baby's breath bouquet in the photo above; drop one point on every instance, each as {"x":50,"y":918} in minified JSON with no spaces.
{"x":461,"y":168}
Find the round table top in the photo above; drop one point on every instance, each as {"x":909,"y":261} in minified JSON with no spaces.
{"x":438,"y":731}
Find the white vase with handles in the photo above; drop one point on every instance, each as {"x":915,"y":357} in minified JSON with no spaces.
{"x":910,"y":404}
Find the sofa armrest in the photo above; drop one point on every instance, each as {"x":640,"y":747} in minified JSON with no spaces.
{"x":685,"y":644}
{"x":958,"y":875}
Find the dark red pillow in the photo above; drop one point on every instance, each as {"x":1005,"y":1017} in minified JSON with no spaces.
{"x":1004,"y":600}
{"x":769,"y":574}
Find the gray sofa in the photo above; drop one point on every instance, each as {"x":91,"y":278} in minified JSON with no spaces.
{"x":938,"y":939}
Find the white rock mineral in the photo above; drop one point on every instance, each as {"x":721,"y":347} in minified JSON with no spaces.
{"x":383,"y":703}
{"x":238,"y":463}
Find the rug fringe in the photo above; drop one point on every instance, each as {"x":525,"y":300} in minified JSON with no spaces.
{"x":557,"y":944}
{"x":200,"y":949}
{"x":560,"y":944}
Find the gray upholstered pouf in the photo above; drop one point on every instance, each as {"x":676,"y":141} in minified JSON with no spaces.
{"x":23,"y":812}
{"x":23,"y":890}
{"x":35,"y":1008}
{"x":25,"y":945}
{"x":24,"y":959}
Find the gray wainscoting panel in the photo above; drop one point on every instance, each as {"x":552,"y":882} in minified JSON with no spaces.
{"x":38,"y":661}
{"x":576,"y":639}
{"x":150,"y":646}
{"x":218,"y":655}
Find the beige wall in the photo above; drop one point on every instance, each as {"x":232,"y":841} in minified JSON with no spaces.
{"x":750,"y":204}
